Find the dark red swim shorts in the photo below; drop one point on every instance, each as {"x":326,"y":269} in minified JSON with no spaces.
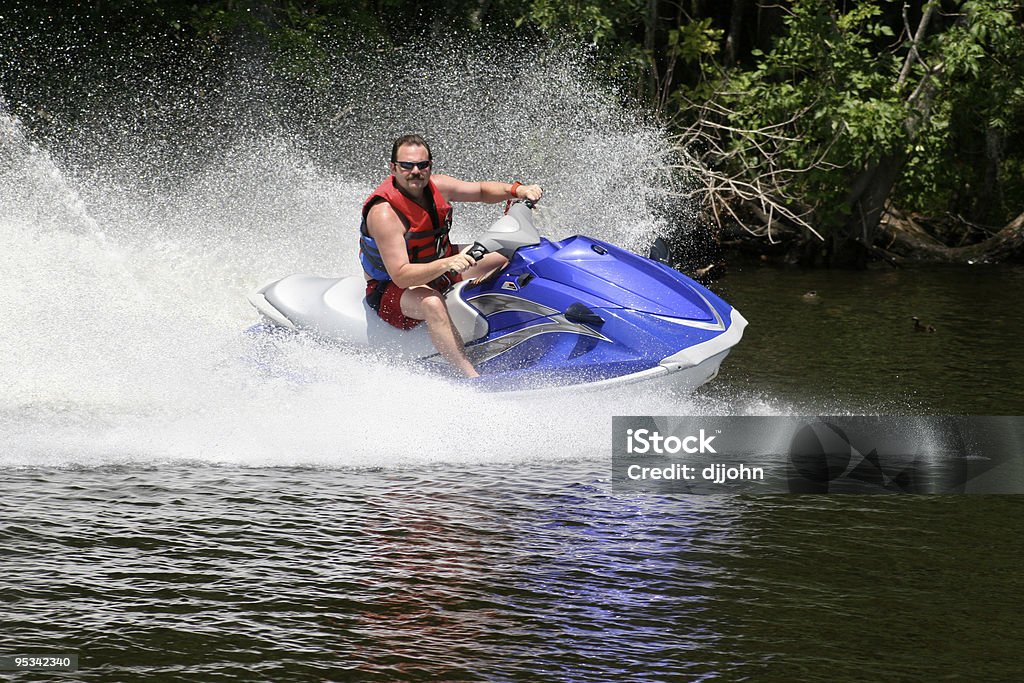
{"x":388,"y":303}
{"x":386,"y":299}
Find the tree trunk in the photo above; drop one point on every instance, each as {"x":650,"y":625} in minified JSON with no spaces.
{"x":852,"y":242}
{"x":650,"y":42}
{"x":735,"y":28}
{"x":990,"y":196}
{"x":769,"y":24}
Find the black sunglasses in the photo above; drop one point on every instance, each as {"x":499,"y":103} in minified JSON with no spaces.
{"x":409,"y":165}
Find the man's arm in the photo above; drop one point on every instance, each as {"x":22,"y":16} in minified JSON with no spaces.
{"x":487,"y":191}
{"x":387,"y":230}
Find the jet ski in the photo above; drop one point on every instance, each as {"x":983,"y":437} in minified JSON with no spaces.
{"x":578,"y":313}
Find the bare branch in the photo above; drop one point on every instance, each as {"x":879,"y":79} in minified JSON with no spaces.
{"x":749,"y":174}
{"x":913,"y":55}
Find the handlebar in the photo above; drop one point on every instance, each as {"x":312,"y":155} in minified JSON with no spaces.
{"x":477,"y":251}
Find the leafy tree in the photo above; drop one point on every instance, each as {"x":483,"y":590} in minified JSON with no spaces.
{"x":843,"y":115}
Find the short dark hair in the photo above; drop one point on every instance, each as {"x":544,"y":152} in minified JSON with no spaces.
{"x":409,"y":140}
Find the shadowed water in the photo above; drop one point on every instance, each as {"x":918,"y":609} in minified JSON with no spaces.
{"x":845,"y":341}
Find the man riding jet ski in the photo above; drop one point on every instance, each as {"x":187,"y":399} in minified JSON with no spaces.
{"x":404,"y":248}
{"x":520,"y":311}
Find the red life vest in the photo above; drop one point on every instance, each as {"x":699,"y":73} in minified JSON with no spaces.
{"x":426,"y":229}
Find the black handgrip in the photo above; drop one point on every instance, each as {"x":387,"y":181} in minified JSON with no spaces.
{"x":477,"y":251}
{"x":530,"y":204}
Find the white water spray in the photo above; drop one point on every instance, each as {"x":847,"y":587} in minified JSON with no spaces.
{"x":126,"y":273}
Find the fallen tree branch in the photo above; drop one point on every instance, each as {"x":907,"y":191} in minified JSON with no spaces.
{"x":907,"y":239}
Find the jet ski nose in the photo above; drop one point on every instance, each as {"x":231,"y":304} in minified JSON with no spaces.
{"x":626,"y":280}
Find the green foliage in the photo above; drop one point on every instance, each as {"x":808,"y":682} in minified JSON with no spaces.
{"x":826,"y":102}
{"x":613,"y":29}
{"x":824,"y":98}
{"x":695,"y":44}
{"x":587,"y":21}
{"x":972,"y":147}
{"x":694,"y":41}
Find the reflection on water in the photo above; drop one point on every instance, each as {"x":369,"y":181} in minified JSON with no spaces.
{"x":524,"y":572}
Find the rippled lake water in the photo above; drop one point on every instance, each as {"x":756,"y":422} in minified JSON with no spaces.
{"x":530,"y":572}
{"x":846,"y":341}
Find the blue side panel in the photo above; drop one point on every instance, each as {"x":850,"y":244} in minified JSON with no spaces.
{"x":626,"y":340}
{"x":648,"y":312}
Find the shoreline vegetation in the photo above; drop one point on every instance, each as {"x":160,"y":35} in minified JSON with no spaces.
{"x":833,"y":134}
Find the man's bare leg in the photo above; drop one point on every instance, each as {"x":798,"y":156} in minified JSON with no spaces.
{"x":426,"y":304}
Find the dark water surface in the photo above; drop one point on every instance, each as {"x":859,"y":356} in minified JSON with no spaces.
{"x":534,"y":572}
{"x":845,"y":341}
{"x":535,"y":569}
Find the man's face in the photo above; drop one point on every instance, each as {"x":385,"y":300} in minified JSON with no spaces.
{"x":414,"y":179}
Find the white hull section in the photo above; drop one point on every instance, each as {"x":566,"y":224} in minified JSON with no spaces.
{"x":336,"y":309}
{"x":683,"y":372}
